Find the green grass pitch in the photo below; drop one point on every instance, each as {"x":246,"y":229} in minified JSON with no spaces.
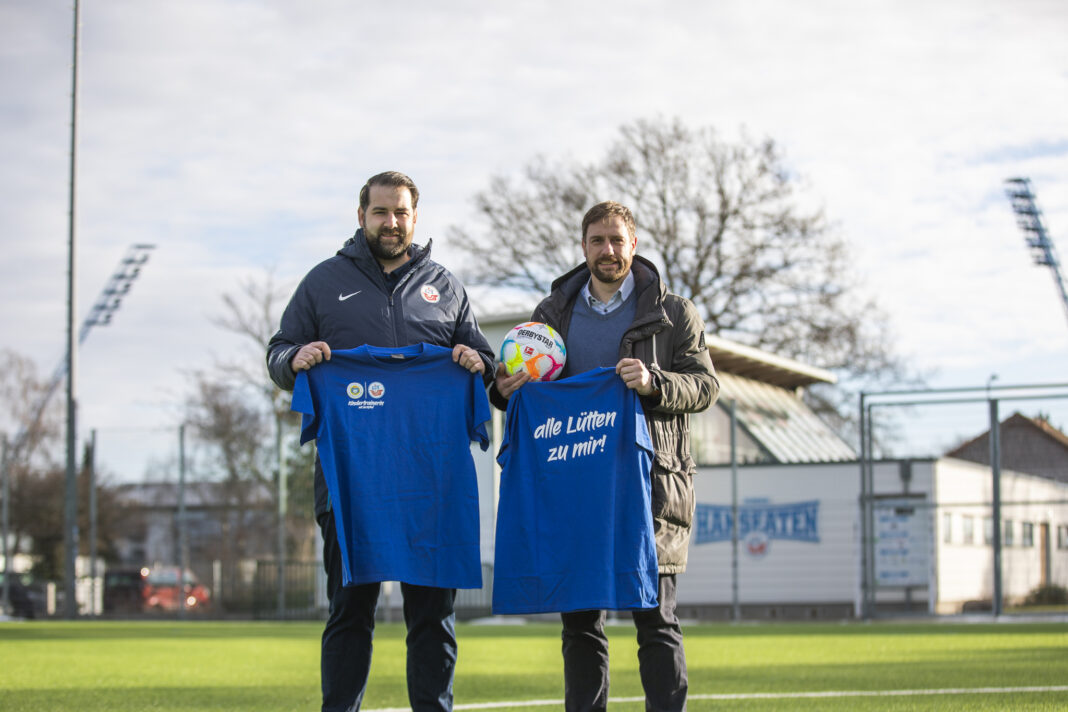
{"x":238,"y":666}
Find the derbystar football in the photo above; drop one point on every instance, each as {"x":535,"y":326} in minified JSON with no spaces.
{"x":536,"y":348}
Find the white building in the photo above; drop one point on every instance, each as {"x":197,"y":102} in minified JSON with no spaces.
{"x":799,"y":551}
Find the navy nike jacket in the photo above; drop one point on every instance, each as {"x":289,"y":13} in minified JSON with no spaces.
{"x":345,"y":301}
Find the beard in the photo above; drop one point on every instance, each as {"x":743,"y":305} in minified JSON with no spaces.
{"x":609,"y":272}
{"x":388,"y":250}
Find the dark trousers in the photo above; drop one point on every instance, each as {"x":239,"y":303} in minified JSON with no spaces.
{"x":347,"y":638}
{"x":661,"y":659}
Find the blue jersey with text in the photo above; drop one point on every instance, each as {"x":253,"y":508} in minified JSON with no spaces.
{"x":393,"y":427}
{"x":575,"y":523}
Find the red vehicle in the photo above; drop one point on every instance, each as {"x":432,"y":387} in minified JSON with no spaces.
{"x":162,"y":591}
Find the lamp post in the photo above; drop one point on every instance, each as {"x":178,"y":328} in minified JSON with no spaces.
{"x":70,"y":509}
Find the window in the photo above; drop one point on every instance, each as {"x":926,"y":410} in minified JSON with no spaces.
{"x":947,"y":528}
{"x":1062,"y":537}
{"x":1007,"y":533}
{"x":1027,"y":534}
{"x":968,"y":529}
{"x":988,"y":530}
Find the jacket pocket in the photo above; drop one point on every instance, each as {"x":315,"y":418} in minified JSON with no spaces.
{"x":673,"y":496}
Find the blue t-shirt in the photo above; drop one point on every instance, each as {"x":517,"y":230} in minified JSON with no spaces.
{"x":393,"y":427}
{"x":575,"y":522}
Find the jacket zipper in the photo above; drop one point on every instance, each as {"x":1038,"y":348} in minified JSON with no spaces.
{"x":392,"y":311}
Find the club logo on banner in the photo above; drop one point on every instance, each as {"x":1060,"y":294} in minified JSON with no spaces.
{"x":758,"y":524}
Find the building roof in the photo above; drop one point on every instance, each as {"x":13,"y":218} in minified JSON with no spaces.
{"x":740,"y":360}
{"x":197,"y":495}
{"x":1048,"y":430}
{"x":1028,"y":445}
{"x":781,"y":422}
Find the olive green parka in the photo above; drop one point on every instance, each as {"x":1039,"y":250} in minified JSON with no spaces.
{"x":668,"y":335}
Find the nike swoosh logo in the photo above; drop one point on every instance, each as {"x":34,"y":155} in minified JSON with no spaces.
{"x":343,"y":297}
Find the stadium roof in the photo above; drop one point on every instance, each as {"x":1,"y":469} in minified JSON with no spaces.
{"x":780,"y":422}
{"x":746,"y":361}
{"x":764,"y":387}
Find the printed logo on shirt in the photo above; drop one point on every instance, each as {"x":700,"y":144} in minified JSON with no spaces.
{"x":430,"y":293}
{"x":374,"y":390}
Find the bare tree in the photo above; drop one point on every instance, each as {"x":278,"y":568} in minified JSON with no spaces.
{"x":21,"y":390}
{"x":253,"y":313}
{"x":36,"y":484}
{"x":237,"y":411}
{"x":728,"y":225}
{"x":38,"y":479}
{"x":531,"y":227}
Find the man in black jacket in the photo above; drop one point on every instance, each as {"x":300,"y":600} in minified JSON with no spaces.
{"x":615,"y":311}
{"x":379,"y":289}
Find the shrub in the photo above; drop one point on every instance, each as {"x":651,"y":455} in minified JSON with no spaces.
{"x":1048,"y":595}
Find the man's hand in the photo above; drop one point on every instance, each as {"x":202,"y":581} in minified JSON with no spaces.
{"x":507,"y":385}
{"x":468,"y":358}
{"x":635,"y":376}
{"x":309,"y":355}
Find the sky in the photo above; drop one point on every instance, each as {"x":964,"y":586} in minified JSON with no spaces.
{"x":234,"y":135}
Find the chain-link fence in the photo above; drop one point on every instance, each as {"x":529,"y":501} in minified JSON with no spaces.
{"x":985,"y":525}
{"x":906,"y":527}
{"x":177,"y":535}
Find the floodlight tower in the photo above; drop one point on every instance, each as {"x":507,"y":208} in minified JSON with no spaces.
{"x":117,"y":287}
{"x":1029,"y":218}
{"x":100,"y":315}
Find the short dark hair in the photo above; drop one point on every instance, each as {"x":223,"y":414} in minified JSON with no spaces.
{"x":392,"y":179}
{"x":605,"y":210}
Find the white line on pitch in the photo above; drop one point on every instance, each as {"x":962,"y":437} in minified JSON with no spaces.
{"x":769,"y":696}
{"x":879,"y":693}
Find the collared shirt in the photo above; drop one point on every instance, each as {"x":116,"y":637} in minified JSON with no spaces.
{"x":393,"y":278}
{"x":617,"y":299}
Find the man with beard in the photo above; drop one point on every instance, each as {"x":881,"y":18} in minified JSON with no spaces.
{"x":379,"y":290}
{"x":615,"y":311}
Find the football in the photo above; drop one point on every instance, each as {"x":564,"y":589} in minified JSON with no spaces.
{"x":536,"y":348}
